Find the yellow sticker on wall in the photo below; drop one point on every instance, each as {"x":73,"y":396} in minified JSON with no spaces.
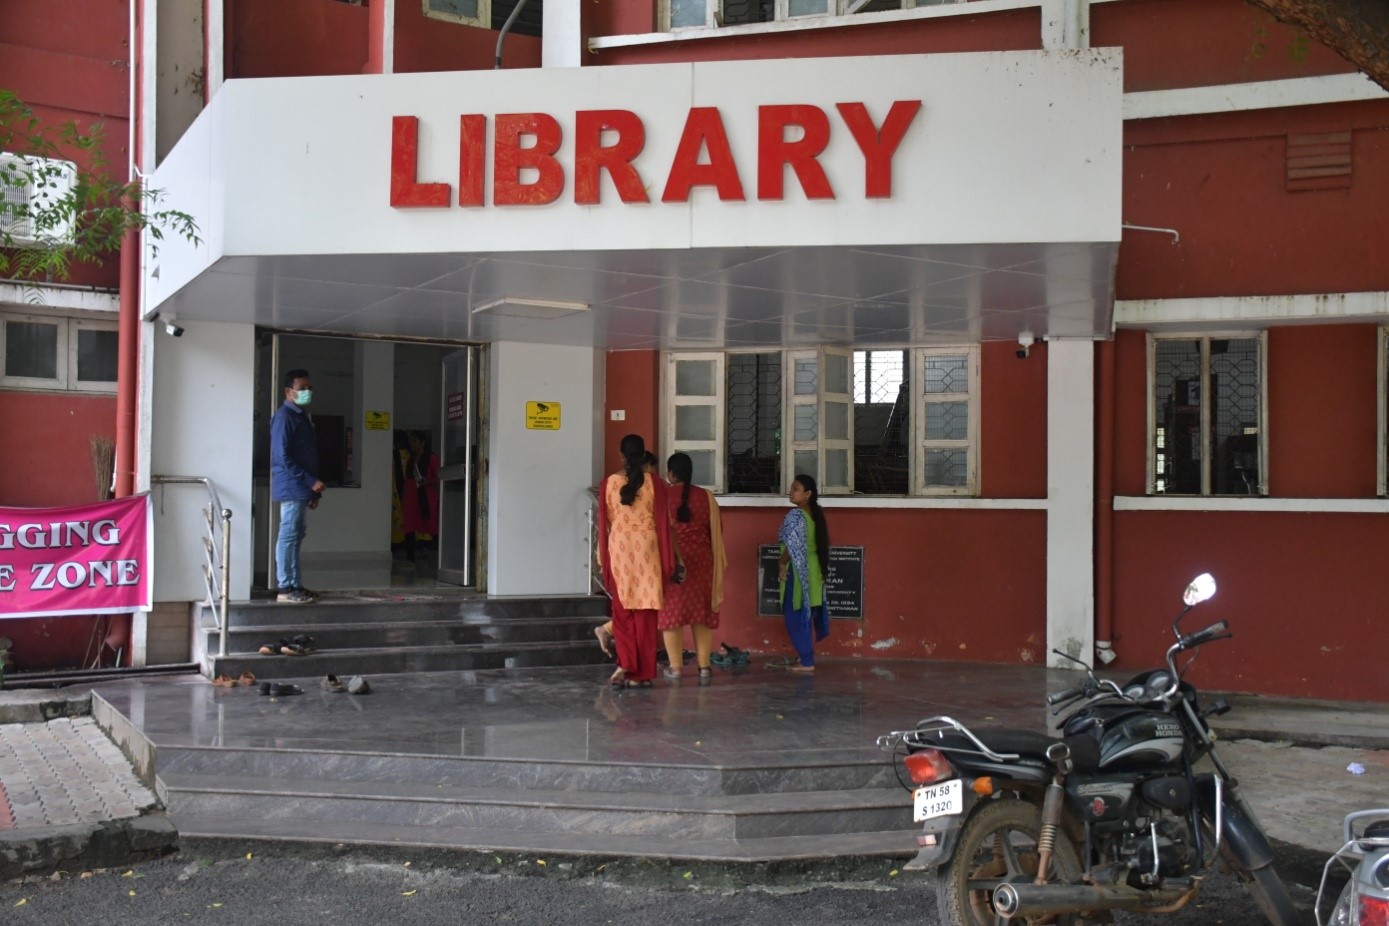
{"x":378,"y":421}
{"x":542,"y":416}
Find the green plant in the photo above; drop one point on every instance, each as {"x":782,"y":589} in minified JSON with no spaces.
{"x":54,"y":211}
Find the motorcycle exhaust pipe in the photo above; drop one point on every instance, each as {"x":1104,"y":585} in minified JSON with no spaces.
{"x":1012,"y":900}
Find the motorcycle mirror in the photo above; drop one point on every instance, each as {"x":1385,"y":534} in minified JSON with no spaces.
{"x":1202,"y":588}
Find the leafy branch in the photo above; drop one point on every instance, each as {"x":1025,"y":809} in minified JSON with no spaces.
{"x":54,"y":212}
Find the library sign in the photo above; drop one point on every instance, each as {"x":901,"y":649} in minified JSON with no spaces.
{"x":88,"y":559}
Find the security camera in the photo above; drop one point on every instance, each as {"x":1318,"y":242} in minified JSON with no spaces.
{"x":1025,"y":342}
{"x":173,"y":329}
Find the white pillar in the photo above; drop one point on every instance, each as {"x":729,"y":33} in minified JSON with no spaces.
{"x":1065,"y":24}
{"x":1070,"y":500}
{"x":561,"y":43}
{"x":538,"y":480}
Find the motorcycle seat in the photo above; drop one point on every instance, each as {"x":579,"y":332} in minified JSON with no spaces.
{"x":1028,"y":746}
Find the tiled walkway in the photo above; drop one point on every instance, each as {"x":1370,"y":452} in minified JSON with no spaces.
{"x":64,"y":772}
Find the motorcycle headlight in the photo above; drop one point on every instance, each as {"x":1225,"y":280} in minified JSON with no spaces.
{"x":1134,"y":691}
{"x":1158,"y":682}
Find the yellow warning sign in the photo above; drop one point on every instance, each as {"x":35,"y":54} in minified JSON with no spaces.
{"x":378,"y":421}
{"x":542,"y":416}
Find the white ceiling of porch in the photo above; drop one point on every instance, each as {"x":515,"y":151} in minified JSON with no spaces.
{"x":715,"y":298}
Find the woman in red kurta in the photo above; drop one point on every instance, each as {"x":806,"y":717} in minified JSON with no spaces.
{"x":638,"y":558}
{"x":695,"y":602}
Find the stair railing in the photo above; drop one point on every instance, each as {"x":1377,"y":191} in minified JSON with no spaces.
{"x":216,"y":551}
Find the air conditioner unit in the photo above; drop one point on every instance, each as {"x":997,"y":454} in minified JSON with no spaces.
{"x":28,"y":186}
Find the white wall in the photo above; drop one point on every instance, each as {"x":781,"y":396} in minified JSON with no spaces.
{"x":201,"y":425}
{"x":538,"y":480}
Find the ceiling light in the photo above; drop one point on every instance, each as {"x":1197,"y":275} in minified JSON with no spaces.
{"x":515,"y":307}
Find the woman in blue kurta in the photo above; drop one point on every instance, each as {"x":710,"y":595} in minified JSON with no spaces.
{"x":805,"y":544}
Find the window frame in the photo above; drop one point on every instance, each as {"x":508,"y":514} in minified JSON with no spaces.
{"x":916,"y":442}
{"x":719,"y":400}
{"x":1382,"y":402}
{"x":1261,"y":337}
{"x":66,"y":349}
{"x":920,"y":444}
{"x":781,"y":13}
{"x":483,"y":21}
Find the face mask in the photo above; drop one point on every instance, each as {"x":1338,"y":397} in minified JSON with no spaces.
{"x":303,"y":397}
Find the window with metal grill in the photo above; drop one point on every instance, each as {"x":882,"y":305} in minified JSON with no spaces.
{"x":1208,"y":415}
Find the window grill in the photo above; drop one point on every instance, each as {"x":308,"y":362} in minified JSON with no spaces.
{"x":754,"y":423}
{"x":1207,"y":416}
{"x":882,"y":406}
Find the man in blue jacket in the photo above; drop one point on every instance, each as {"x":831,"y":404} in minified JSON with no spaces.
{"x":294,"y":481}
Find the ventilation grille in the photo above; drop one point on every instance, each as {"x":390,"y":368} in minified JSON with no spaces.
{"x":1319,"y":162}
{"x":28,"y":187}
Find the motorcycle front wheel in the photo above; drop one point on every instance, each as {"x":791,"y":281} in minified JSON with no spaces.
{"x":1266,"y":890}
{"x":998,"y":844}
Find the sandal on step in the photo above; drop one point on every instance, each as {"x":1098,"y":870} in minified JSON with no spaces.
{"x":247,"y":678}
{"x":224,"y":681}
{"x":358,"y":686}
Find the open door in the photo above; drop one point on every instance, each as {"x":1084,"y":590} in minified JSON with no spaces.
{"x":458,"y":461}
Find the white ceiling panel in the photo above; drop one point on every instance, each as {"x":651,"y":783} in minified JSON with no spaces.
{"x":711,"y":298}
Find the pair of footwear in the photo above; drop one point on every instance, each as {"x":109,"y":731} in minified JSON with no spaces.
{"x":302,"y":645}
{"x":279,"y":689}
{"x":296,"y":596}
{"x":226,"y":681}
{"x":355,"y":685}
{"x":729,"y":656}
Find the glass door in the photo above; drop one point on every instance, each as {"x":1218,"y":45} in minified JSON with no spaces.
{"x":458,"y":459}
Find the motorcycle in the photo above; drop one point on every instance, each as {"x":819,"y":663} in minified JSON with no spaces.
{"x":1111,"y":815}
{"x":1364,"y":901}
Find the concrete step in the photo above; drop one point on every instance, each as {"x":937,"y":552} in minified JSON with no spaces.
{"x":890,"y":843}
{"x":535,"y":811}
{"x":331,"y":609}
{"x":548,"y":774}
{"x":391,"y":660}
{"x":246,"y":640}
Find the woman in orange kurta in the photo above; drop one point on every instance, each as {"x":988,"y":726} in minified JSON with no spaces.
{"x":638,"y":557}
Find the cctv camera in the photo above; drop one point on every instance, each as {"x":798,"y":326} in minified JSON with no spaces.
{"x":174,"y":330}
{"x":1022,"y":352}
{"x":1025,"y":341}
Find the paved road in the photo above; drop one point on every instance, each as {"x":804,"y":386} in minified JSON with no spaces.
{"x":280,"y":888}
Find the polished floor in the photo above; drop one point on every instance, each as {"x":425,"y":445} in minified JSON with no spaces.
{"x":746,"y":717}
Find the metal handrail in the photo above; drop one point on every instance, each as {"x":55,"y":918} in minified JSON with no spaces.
{"x":216,"y":558}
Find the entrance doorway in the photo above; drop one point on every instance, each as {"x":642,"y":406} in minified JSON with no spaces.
{"x":398,"y":433}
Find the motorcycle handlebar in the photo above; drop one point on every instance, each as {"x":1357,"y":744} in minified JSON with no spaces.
{"x":1067,"y":695}
{"x":1218,"y":630}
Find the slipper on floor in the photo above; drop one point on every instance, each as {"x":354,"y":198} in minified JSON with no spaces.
{"x":358,"y":686}
{"x":279,"y":689}
{"x":784,"y":663}
{"x":224,"y":681}
{"x":331,"y":683}
{"x":246,"y":678}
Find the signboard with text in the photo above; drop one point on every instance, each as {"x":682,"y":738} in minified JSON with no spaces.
{"x":542,"y":416}
{"x":843,"y":582}
{"x":87,"y":559}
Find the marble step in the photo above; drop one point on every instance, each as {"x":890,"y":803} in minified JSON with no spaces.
{"x":330,"y":609}
{"x":674,"y":817}
{"x":494,"y":772}
{"x":247,"y":640}
{"x":887,"y":844}
{"x":391,"y":660}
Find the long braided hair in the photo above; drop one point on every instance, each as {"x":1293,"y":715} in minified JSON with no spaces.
{"x":682,"y":467}
{"x":632,"y":449}
{"x":817,"y":514}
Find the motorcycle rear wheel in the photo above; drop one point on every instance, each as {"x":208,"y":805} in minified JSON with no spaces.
{"x":997,"y":844}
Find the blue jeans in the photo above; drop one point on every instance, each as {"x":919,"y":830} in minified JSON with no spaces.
{"x":292,"y":529}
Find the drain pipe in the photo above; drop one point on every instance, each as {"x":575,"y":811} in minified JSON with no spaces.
{"x":1104,"y":509}
{"x":501,"y":36}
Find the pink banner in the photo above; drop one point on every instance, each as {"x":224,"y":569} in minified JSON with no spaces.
{"x":88,"y":559}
